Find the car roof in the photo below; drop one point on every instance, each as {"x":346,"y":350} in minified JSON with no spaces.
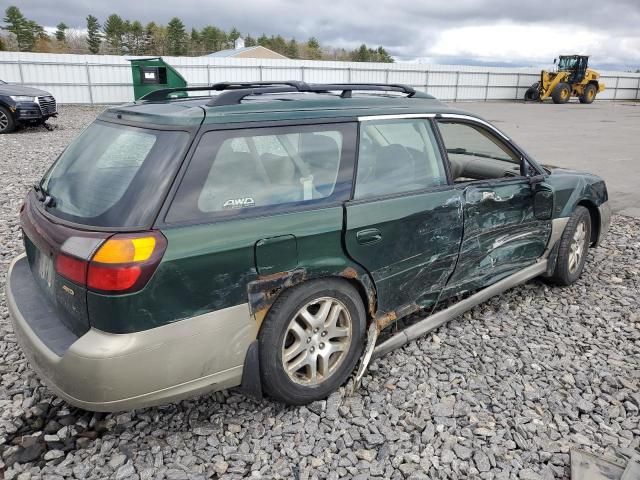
{"x":277,"y":107}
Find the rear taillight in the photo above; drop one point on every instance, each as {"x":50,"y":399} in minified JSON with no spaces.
{"x":124,"y":263}
{"x":72,"y":268}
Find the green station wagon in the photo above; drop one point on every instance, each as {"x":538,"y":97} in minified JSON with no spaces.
{"x":263,"y":235}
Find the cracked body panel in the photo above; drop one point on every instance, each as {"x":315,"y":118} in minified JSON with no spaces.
{"x":418,"y":247}
{"x":501,"y":235}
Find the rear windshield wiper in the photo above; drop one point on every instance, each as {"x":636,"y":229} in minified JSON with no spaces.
{"x":464,"y":151}
{"x":44,"y":196}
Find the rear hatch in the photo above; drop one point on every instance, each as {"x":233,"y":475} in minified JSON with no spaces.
{"x":111,"y":179}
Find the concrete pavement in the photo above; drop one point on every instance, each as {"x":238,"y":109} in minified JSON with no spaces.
{"x":602,"y":138}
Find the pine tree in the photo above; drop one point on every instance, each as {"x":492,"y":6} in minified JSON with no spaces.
{"x":195,"y":42}
{"x":232,"y":36}
{"x":114,"y":29}
{"x":292,"y":50}
{"x":383,"y":56}
{"x":213,"y":39}
{"x":61,"y":34}
{"x":94,"y":38}
{"x":176,"y":37}
{"x":26,"y":31}
{"x":249,"y":41}
{"x":134,"y":38}
{"x":362,"y":54}
{"x":313,"y":49}
{"x":263,"y":41}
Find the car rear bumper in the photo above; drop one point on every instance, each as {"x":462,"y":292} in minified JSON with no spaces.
{"x":101,"y":371}
{"x":604,"y":211}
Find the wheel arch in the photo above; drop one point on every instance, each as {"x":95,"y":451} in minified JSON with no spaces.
{"x":265,"y":291}
{"x":595,"y":218}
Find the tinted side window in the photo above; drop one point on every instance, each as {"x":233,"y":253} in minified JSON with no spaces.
{"x":477,"y":154}
{"x":397,"y":156}
{"x":240,"y":172}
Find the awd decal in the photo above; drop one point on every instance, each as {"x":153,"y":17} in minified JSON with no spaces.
{"x":239,"y":203}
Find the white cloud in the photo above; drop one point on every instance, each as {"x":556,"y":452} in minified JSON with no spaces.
{"x":510,"y":42}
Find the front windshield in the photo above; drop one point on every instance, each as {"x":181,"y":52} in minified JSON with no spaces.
{"x":114,"y":175}
{"x":567,"y":63}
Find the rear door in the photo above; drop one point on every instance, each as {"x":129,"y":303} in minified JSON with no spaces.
{"x":503,"y":230}
{"x":255,"y":205}
{"x":404,"y":224}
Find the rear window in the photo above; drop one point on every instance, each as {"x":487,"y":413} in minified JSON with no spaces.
{"x":114,"y":175}
{"x":266,"y":170}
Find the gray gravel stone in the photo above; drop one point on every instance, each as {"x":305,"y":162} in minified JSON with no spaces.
{"x":502,"y":392}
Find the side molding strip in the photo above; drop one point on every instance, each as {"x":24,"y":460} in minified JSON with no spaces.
{"x":434,"y":321}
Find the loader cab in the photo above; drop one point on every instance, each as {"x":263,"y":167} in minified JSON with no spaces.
{"x":576,"y":65}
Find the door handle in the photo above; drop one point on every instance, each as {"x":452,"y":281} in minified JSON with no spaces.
{"x":369,"y":236}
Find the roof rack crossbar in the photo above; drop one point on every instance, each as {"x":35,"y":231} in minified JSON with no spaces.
{"x":235,"y":95}
{"x":300,"y":86}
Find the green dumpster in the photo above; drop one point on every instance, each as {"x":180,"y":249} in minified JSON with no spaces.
{"x":151,"y":74}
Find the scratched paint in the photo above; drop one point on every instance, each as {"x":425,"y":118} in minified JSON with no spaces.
{"x":501,"y":235}
{"x":420,"y":237}
{"x":210,"y":267}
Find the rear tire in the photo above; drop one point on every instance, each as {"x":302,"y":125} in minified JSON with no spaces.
{"x":311,"y":340}
{"x":562,"y":93}
{"x":589,"y":94}
{"x":7,"y":123}
{"x":573,"y":248}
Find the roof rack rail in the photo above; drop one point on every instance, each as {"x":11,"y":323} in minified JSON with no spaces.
{"x":163,"y":93}
{"x":232,"y":93}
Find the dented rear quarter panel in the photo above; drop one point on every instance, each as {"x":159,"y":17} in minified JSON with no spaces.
{"x":212,"y":266}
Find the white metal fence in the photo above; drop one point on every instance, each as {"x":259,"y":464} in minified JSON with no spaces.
{"x":105,"y":79}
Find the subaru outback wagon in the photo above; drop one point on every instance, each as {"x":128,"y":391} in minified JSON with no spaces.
{"x":262,"y":235}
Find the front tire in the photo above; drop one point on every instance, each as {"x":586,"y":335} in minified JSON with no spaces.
{"x":574,"y":244}
{"x":311,"y":340}
{"x":7,"y":123}
{"x":589,"y":94}
{"x":532,"y":93}
{"x":562,"y":93}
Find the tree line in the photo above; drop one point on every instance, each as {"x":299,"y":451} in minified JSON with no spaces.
{"x":119,"y":36}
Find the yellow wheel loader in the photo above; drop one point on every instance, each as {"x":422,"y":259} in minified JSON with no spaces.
{"x":572,"y":78}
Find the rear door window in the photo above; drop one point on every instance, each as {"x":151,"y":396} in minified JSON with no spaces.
{"x":258,"y":171}
{"x":398,"y":156}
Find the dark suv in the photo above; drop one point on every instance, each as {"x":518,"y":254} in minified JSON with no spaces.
{"x":263,"y":235}
{"x":21,"y":105}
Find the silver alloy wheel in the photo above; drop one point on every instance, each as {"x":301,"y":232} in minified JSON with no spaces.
{"x":317,"y":341}
{"x":4,"y":121}
{"x":576,"y":250}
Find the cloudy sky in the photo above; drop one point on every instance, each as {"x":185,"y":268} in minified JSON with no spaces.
{"x":445,"y":31}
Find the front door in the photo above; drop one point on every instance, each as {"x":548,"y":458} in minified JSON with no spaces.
{"x":503,"y":230}
{"x":404,"y":224}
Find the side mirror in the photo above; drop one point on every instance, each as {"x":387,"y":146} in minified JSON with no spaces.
{"x":535,"y":179}
{"x":555,"y":60}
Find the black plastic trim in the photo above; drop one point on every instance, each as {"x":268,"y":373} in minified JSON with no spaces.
{"x":39,"y":313}
{"x":251,"y":384}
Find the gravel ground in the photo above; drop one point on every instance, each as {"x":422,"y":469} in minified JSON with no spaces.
{"x":503,"y":392}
